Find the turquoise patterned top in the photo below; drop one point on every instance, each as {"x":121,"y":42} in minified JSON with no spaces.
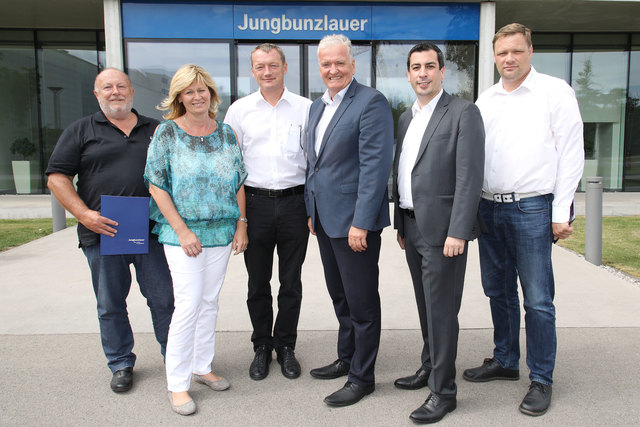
{"x":202,"y":175}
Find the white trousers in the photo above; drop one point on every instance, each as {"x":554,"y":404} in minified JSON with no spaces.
{"x":196,"y":286}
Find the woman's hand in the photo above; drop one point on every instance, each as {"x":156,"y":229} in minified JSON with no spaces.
{"x":190,"y":243}
{"x":240,"y":239}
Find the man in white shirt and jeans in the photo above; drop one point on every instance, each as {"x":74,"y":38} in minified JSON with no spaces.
{"x":270,"y":125}
{"x":534,"y":157}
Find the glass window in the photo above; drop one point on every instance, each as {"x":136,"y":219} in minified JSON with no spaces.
{"x":552,"y":55}
{"x":247,"y":84}
{"x":18,"y":120}
{"x":152,"y":65}
{"x":632,"y":139}
{"x":391,"y":73}
{"x":67,"y":75}
{"x":600,"y":80}
{"x":557,"y":64}
{"x":362,"y":55}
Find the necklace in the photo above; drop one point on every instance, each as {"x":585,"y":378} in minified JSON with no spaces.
{"x":191,"y":129}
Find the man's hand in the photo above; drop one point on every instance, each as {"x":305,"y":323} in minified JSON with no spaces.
{"x":562,"y":230}
{"x":400,"y":241}
{"x":310,"y":225}
{"x":98,"y":223}
{"x":357,"y":239}
{"x":453,"y":247}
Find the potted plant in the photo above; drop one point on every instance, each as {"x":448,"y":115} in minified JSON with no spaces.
{"x":21,"y":168}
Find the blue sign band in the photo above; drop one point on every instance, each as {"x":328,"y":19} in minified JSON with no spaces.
{"x":299,"y":21}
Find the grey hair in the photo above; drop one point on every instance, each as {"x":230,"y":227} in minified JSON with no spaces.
{"x":336,"y":39}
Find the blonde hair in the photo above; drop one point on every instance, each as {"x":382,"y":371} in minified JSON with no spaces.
{"x":182,"y":79}
{"x":512,"y":29}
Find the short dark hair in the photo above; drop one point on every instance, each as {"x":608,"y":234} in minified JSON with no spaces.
{"x":425,"y":46}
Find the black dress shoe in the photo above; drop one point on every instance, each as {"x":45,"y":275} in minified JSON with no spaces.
{"x":122,"y":380}
{"x":259,"y":368}
{"x":336,"y":369}
{"x":415,"y":381}
{"x":288,"y":364}
{"x":489,"y":371}
{"x":349,"y":394}
{"x":433,"y":409}
{"x":537,"y":400}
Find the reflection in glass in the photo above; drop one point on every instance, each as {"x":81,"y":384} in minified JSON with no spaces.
{"x":632,"y":138}
{"x":599,"y":80}
{"x":247,"y":84}
{"x":391,"y":73}
{"x":362,"y":55}
{"x":67,"y":78}
{"x":152,"y":65}
{"x":18,"y":118}
{"x":557,"y":64}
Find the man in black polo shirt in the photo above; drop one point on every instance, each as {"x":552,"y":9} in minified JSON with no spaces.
{"x":108,"y":152}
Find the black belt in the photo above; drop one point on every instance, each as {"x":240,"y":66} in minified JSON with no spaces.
{"x":275,"y":193}
{"x":408,"y":212}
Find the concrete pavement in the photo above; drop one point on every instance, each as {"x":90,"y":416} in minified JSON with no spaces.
{"x":53,"y":372}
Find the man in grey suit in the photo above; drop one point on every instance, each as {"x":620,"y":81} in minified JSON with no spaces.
{"x":437,"y":183}
{"x":349,"y":156}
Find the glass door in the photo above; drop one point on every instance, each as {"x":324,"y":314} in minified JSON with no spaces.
{"x":316,"y":87}
{"x":292,"y":80}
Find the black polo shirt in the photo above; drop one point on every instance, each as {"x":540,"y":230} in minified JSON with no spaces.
{"x":105,"y":160}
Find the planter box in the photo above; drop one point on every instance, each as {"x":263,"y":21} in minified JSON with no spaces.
{"x":22,"y":176}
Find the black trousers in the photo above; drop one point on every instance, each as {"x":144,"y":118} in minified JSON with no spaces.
{"x":437,"y":282}
{"x":275,"y":222}
{"x":352,"y":282}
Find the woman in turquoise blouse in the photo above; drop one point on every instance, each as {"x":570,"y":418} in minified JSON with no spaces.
{"x":195,"y":175}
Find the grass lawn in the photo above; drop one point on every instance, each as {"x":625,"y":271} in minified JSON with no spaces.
{"x":16,"y":232}
{"x":620,"y":242}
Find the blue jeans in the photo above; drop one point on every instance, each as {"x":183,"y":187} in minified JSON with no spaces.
{"x":111,"y":279}
{"x":518,"y":244}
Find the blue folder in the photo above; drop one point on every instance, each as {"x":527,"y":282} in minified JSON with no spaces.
{"x":132,"y":216}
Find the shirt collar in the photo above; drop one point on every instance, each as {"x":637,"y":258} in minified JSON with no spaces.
{"x":100,"y":117}
{"x":286,"y":95}
{"x":528,"y":83}
{"x":326,"y":98}
{"x":415,"y":109}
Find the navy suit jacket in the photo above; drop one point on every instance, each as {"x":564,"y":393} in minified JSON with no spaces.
{"x":347,"y":180}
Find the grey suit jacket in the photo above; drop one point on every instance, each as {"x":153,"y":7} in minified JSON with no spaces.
{"x":446,"y":180}
{"x":347,"y":180}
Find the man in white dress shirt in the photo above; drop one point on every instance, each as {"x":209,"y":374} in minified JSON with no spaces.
{"x":270,"y":125}
{"x":534,"y":158}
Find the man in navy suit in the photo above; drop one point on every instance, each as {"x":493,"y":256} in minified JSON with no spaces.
{"x":349,"y":156}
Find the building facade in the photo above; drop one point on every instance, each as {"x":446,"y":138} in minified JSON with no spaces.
{"x":50,"y":54}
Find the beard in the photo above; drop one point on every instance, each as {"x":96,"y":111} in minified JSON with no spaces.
{"x":116,"y":112}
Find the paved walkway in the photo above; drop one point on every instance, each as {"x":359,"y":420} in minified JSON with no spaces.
{"x":53,"y":371}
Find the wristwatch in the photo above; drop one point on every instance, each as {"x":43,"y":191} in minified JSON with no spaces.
{"x":243,"y":219}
